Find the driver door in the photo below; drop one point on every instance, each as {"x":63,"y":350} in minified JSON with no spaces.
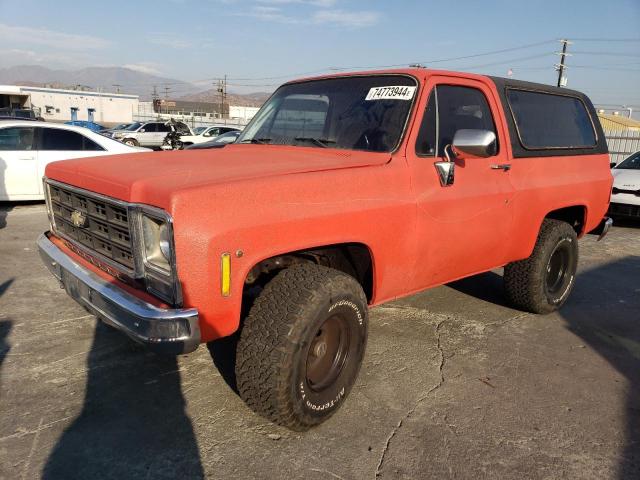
{"x":463,"y":228}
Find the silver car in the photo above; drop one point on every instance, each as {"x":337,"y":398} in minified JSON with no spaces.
{"x":148,"y":134}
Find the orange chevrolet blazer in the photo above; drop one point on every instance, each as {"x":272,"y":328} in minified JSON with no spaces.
{"x":343,"y":192}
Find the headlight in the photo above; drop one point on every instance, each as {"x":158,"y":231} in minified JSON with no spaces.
{"x":157,"y":242}
{"x":156,"y":249}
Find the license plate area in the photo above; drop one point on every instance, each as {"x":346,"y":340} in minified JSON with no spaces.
{"x":76,"y":290}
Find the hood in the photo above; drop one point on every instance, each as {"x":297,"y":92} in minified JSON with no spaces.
{"x":141,"y":176}
{"x":626,"y":179}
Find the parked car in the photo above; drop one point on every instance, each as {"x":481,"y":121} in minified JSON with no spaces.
{"x":26,"y":148}
{"x":94,"y":127}
{"x":625,"y":195}
{"x":149,"y":134}
{"x":219,"y":141}
{"x":344,"y":192}
{"x":207,"y":134}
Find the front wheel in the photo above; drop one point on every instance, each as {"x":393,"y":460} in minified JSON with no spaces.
{"x":302,"y":345}
{"x":131,"y":142}
{"x":542,"y":283}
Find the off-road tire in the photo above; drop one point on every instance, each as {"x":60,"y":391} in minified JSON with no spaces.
{"x":525,"y":281}
{"x":272,"y":358}
{"x":132,"y":142}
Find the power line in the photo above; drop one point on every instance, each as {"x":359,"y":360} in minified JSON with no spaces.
{"x":611,"y":54}
{"x":607,"y":39}
{"x":424,"y":62}
{"x":512,"y":60}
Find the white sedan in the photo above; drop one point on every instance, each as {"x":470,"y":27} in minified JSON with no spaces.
{"x":625,"y":197}
{"x":27,"y":147}
{"x":209,"y":133}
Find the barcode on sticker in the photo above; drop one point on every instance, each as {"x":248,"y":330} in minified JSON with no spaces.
{"x":397,"y":92}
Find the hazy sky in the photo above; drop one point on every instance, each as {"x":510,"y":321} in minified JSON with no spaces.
{"x":254,"y":41}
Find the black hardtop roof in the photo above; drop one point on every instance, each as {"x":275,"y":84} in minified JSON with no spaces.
{"x":502,"y":83}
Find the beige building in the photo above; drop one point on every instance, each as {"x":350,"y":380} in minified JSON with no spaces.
{"x":60,"y":105}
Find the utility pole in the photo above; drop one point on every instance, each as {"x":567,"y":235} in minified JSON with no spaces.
{"x":222,"y":90}
{"x":117,"y":85}
{"x":562,"y":80}
{"x":166,"y":92}
{"x":154,"y":99}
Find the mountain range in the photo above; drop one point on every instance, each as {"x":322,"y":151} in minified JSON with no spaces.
{"x":122,"y":79}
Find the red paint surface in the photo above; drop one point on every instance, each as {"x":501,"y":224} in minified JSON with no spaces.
{"x":267,"y":200}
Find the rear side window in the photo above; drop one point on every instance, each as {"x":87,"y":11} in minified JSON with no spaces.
{"x":16,"y":139}
{"x":546,"y":120}
{"x":57,"y":139}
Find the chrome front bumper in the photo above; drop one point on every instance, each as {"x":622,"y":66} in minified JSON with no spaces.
{"x":171,"y":331}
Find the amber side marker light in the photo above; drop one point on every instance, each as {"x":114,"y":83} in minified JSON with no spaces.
{"x":225,"y":269}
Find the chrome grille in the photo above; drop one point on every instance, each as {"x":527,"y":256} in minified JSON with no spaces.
{"x":107,"y":230}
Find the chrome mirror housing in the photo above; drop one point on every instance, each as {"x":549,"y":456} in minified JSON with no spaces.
{"x":478,"y":143}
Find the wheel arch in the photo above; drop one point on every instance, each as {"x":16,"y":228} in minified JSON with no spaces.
{"x":574,"y":215}
{"x":353,"y":258}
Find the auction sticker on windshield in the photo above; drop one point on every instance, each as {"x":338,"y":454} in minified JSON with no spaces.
{"x":396,"y":92}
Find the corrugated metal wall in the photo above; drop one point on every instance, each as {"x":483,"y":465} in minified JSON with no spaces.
{"x":622,"y":143}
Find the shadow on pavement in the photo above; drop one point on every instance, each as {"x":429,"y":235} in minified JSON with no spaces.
{"x":5,"y":329}
{"x":223,"y":354}
{"x":604,"y":311}
{"x":5,"y":208}
{"x":486,"y":286}
{"x":133,"y":423}
{"x":4,"y":286}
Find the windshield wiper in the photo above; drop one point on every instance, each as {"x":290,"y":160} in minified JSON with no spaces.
{"x":262,"y":141}
{"x":321,"y":142}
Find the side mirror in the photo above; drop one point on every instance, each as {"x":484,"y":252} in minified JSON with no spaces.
{"x":142,"y":130}
{"x":478,"y":143}
{"x":612,"y":164}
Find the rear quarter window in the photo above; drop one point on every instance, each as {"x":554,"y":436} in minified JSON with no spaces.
{"x":546,"y":121}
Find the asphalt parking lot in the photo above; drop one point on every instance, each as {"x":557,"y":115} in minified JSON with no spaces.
{"x":455,"y":385}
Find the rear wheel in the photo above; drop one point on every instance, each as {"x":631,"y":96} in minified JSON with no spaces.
{"x":302,"y":345}
{"x":543,"y":282}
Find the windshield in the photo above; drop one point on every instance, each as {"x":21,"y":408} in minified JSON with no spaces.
{"x":355,"y":113}
{"x":199,"y":130}
{"x":631,"y":163}
{"x":133,"y":126}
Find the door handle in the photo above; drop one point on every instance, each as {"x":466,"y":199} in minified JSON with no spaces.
{"x":501,"y":166}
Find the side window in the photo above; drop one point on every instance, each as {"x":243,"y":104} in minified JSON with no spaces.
{"x":546,"y":120}
{"x":428,"y":134}
{"x":460,"y":108}
{"x":58,"y":139}
{"x":149,"y":128}
{"x":90,"y":145}
{"x":161,"y":127}
{"x":16,"y":139}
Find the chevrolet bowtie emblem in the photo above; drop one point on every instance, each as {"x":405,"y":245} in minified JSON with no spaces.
{"x":79,"y":219}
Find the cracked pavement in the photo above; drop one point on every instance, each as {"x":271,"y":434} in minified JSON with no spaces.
{"x":455,"y":384}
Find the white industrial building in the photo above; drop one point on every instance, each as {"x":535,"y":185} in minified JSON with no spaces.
{"x":61,"y":105}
